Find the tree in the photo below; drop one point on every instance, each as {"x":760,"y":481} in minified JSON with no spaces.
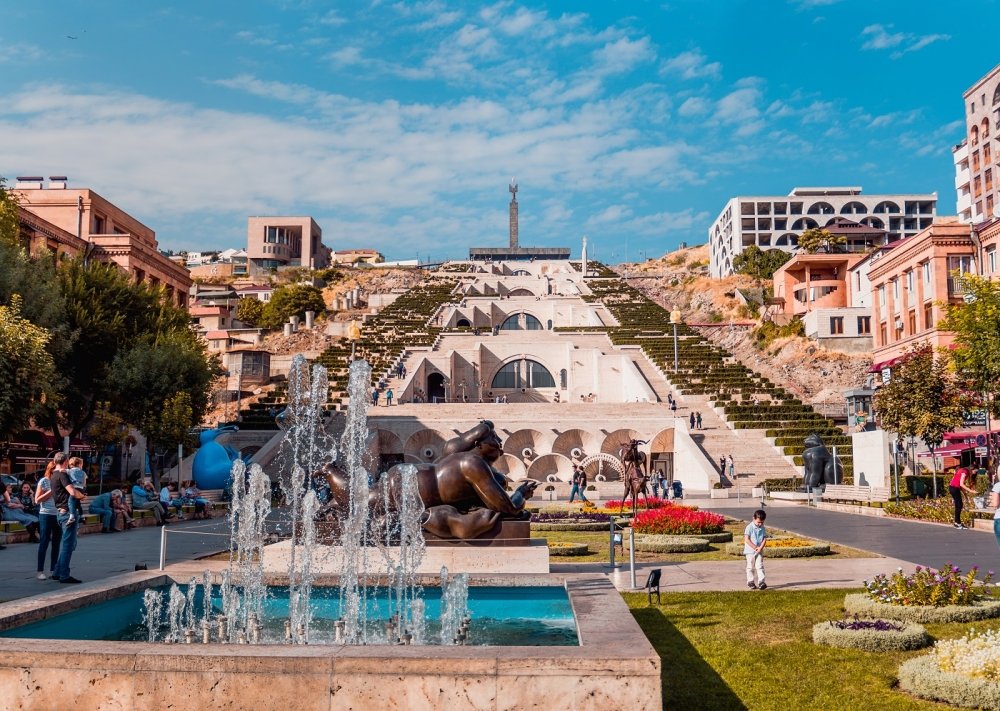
{"x":172,"y":424}
{"x":292,"y":300}
{"x":250,"y":310}
{"x":923,"y":399}
{"x":760,"y":264}
{"x":27,"y":371}
{"x":816,"y":238}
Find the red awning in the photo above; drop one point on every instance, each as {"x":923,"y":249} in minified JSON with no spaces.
{"x":878,"y":367}
{"x":950,"y":450}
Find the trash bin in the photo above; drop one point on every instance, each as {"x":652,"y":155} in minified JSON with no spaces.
{"x":678,"y":489}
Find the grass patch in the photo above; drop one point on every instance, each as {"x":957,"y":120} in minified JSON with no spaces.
{"x":750,"y":650}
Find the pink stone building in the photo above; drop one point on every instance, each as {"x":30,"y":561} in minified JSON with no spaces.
{"x":275,"y":242}
{"x":910,"y":280}
{"x":74,"y":220}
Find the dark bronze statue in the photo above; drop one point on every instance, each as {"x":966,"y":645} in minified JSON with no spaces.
{"x":464,"y":496}
{"x":821,"y":467}
{"x":634,"y":463}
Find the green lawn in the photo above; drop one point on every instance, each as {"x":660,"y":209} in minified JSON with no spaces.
{"x":754,"y":650}
{"x":598,"y":542}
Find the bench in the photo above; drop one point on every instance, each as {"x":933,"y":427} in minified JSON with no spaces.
{"x":864,"y":494}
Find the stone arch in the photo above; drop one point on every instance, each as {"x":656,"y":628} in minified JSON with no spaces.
{"x":602,"y":467}
{"x":551,"y":465}
{"x":527,"y":444}
{"x":873,"y":222}
{"x":614,"y":441}
{"x":854,"y":208}
{"x":522,"y":321}
{"x":425,"y":445}
{"x":821,"y":208}
{"x":463,"y":323}
{"x":789,"y":239}
{"x":389,"y":442}
{"x":804,"y":223}
{"x":511,"y":467}
{"x":521,"y":291}
{"x":886,"y":206}
{"x":570,"y":442}
{"x":522,"y":372}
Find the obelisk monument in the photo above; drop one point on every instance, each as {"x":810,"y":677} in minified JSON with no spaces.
{"x":513,"y":213}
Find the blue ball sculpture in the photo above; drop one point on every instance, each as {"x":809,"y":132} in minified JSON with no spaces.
{"x":213,"y":463}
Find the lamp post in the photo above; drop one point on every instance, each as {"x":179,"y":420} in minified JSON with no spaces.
{"x":675,"y":318}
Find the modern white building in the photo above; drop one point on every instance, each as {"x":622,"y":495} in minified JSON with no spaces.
{"x":776,"y":222}
{"x":963,"y":181}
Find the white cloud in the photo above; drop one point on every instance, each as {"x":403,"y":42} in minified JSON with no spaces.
{"x":810,"y":4}
{"x":623,"y":55}
{"x":692,"y":64}
{"x":694,"y":106}
{"x":739,"y":106}
{"x":612,"y":213}
{"x":19,"y":52}
{"x":878,"y":37}
{"x":332,"y":18}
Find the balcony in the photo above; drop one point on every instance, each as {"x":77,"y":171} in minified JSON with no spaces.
{"x":956,"y":287}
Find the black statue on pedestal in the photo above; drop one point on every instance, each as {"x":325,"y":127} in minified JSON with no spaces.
{"x":821,"y":467}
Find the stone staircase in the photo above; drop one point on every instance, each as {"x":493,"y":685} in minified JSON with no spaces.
{"x":753,"y":453}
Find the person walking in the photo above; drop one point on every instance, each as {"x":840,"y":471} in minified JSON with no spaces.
{"x":656,"y":485}
{"x":579,"y":482}
{"x":722,"y":464}
{"x":754,"y":540}
{"x":691,"y":420}
{"x":374,"y":397}
{"x":673,"y":407}
{"x":731,"y":466}
{"x":995,"y":503}
{"x":63,"y":489}
{"x":958,"y":487}
{"x":49,"y":533}
{"x":697,"y":420}
{"x":388,"y":397}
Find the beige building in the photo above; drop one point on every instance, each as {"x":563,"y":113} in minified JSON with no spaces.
{"x":275,"y":242}
{"x":352,"y":256}
{"x":72,"y":220}
{"x":982,"y":101}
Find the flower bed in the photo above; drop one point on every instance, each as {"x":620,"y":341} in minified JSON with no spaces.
{"x":946,"y":586}
{"x":862,"y":605}
{"x":651,"y":543}
{"x":941,"y":510}
{"x":615,"y":505}
{"x":871,"y":635}
{"x":568,"y":549}
{"x":678,"y":520}
{"x":964,"y":672}
{"x":568,"y":525}
{"x":787,"y":547}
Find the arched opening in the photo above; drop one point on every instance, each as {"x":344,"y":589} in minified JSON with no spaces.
{"x":873,"y":222}
{"x":521,"y":272}
{"x":523,"y":373}
{"x":463,"y":323}
{"x":521,"y":322}
{"x":788,"y":239}
{"x":521,"y":292}
{"x":996,"y":95}
{"x":984,"y":128}
{"x":886,"y":206}
{"x":563,"y":379}
{"x":549,"y":324}
{"x":435,"y":387}
{"x":974,"y":135}
{"x":854,"y":208}
{"x":804,"y":223}
{"x":820,"y":208}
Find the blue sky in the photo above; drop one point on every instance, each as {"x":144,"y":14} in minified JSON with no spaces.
{"x":398,"y":125}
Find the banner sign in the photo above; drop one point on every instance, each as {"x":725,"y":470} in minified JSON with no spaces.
{"x":974,"y":418}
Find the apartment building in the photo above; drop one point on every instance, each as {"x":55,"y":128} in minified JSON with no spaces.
{"x":74,"y":220}
{"x":982,"y":114}
{"x":276,"y":242}
{"x":777,"y":222}
{"x":910,"y":281}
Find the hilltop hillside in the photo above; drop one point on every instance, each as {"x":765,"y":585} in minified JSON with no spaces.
{"x":680,"y":280}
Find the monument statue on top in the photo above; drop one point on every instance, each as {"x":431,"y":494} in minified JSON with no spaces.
{"x":464,"y":496}
{"x":513,"y":213}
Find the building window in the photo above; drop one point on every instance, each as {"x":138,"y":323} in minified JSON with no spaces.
{"x":927,"y":272}
{"x":991,"y":259}
{"x":883,"y":333}
{"x":98,"y":225}
{"x":895,"y":290}
{"x":515,"y":323}
{"x":864,"y":325}
{"x":928,"y":316}
{"x":958,"y":267}
{"x":523,"y":373}
{"x":881,"y":295}
{"x":836,"y":325}
{"x":912,"y":322}
{"x":910,"y":281}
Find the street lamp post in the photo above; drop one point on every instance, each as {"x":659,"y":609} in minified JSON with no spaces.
{"x":353,"y":335}
{"x":675,"y":318}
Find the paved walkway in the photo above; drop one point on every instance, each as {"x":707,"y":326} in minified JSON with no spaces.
{"x":912,"y":541}
{"x":99,"y":556}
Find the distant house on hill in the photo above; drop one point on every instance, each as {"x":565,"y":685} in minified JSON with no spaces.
{"x":352,"y":256}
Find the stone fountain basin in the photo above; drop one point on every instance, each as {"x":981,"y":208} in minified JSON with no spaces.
{"x":614,"y":666}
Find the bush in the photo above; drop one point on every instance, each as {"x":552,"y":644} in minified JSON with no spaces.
{"x":789,"y":484}
{"x":772,"y":551}
{"x":641,"y":503}
{"x":670,"y":544}
{"x":924,"y":586}
{"x":977,"y":654}
{"x":923,"y":677}
{"x":291,"y":300}
{"x":871,"y":635}
{"x":568,"y":549}
{"x":678,"y":520}
{"x":940,"y":510}
{"x":862,"y":605}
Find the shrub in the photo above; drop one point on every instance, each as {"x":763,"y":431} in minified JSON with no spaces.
{"x":861,"y":604}
{"x":670,"y":544}
{"x":772,"y":551}
{"x":923,"y":677}
{"x":927,"y":587}
{"x":977,"y":654}
{"x":870,"y":635}
{"x":940,"y":510}
{"x":677,"y":520}
{"x":613,"y":505}
{"x":568,"y":549}
{"x":562,"y":516}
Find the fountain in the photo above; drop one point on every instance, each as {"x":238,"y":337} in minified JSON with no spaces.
{"x":349,"y":610}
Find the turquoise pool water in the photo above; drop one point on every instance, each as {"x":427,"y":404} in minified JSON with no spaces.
{"x":501,"y":616}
